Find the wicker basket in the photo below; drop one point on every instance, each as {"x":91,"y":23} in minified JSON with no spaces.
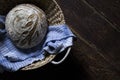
{"x":54,"y":16}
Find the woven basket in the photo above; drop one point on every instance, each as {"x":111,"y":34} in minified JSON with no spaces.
{"x":54,"y":16}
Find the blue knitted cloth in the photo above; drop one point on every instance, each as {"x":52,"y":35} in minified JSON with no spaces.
{"x":57,"y":40}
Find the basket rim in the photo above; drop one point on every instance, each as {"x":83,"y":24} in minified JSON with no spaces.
{"x":49,"y":58}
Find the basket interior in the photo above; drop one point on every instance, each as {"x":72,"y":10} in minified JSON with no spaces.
{"x":7,"y":5}
{"x":50,"y":7}
{"x":54,"y":17}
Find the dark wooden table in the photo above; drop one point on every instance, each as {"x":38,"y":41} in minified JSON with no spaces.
{"x":96,"y":24}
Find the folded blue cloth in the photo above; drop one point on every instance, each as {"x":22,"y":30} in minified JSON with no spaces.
{"x":58,"y":38}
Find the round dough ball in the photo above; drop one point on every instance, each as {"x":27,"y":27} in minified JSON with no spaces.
{"x":26,"y":25}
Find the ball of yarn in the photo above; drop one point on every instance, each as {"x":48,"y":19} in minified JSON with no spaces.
{"x":26,"y":25}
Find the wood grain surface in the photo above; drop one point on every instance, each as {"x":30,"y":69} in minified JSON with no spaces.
{"x":97,"y":47}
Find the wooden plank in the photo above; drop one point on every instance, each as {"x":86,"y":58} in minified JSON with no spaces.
{"x":95,"y":64}
{"x":101,"y":41}
{"x":109,"y":9}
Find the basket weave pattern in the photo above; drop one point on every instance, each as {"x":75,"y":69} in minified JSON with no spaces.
{"x":54,"y":16}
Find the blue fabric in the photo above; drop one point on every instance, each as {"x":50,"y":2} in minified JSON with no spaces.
{"x":57,"y":40}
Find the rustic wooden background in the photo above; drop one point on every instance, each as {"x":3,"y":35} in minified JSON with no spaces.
{"x":96,"y":52}
{"x":96,"y":24}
